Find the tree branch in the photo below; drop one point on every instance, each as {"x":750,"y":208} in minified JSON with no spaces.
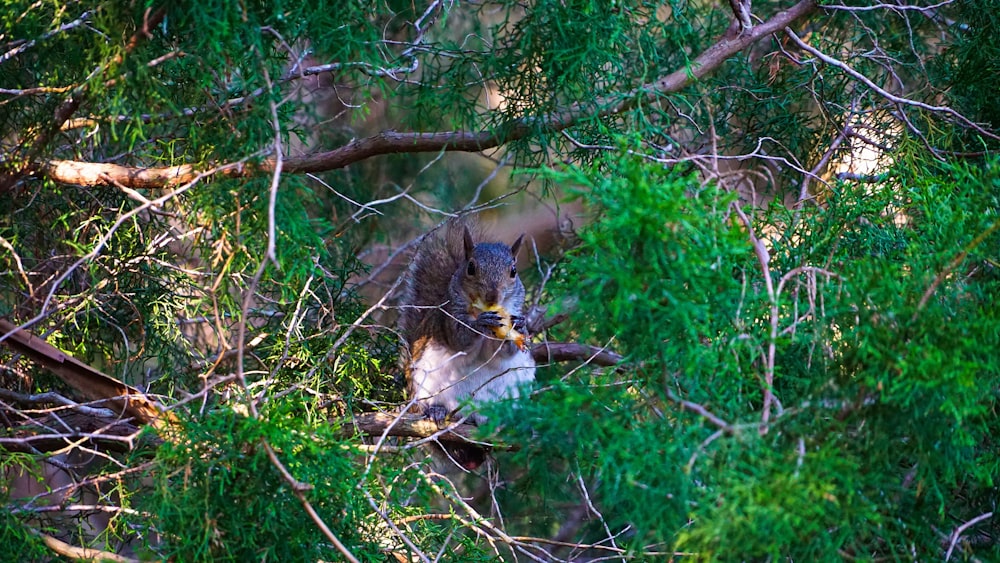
{"x":75,"y":100}
{"x":89,"y":382}
{"x":406,"y":425}
{"x":549,"y":352}
{"x":885,"y":93}
{"x":394,"y":142}
{"x":81,"y":553}
{"x":957,"y":534}
{"x":58,"y":430}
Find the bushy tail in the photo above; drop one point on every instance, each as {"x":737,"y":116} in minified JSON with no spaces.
{"x":450,"y":457}
{"x":429,"y":274}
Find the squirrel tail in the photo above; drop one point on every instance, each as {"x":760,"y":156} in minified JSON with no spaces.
{"x":429,"y":274}
{"x":466,"y":456}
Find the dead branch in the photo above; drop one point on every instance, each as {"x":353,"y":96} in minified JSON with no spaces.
{"x":944,"y":110}
{"x":53,"y":423}
{"x":58,"y":431}
{"x":51,"y":398}
{"x":957,"y":534}
{"x":89,"y":382}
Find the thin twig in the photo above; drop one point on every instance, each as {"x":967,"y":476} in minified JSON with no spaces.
{"x":957,"y":534}
{"x":952,"y":265}
{"x":722,"y":425}
{"x":883,"y":92}
{"x":763,"y":259}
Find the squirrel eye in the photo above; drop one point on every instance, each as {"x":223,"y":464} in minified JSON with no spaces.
{"x":471,"y":270}
{"x":513,"y":272}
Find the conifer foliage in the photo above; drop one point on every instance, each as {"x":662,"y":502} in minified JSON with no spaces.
{"x":773,"y":243}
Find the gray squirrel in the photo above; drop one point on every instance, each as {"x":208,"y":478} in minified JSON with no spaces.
{"x":463,"y":321}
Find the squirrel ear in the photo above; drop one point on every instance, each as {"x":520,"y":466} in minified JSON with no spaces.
{"x":516,"y":245}
{"x":469,"y":245}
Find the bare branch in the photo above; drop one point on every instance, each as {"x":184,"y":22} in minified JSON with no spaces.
{"x":29,"y":44}
{"x":86,"y":380}
{"x":957,"y":534}
{"x":51,"y":397}
{"x":883,"y":92}
{"x":722,"y":425}
{"x":741,"y":15}
{"x":549,"y":352}
{"x":926,"y":10}
{"x":410,"y":426}
{"x":82,"y":553}
{"x":764,"y":259}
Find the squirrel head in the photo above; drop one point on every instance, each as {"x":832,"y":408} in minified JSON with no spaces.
{"x":489,"y":273}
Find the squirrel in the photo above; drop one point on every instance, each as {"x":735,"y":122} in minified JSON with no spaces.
{"x":462,"y":318}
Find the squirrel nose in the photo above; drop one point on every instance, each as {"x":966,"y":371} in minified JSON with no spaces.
{"x":492,"y":296}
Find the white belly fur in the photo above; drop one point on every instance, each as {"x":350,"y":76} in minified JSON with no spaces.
{"x":446,"y":378}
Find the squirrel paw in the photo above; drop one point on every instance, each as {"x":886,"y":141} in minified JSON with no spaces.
{"x":489,"y":319}
{"x":437,"y":413}
{"x":520,"y":324}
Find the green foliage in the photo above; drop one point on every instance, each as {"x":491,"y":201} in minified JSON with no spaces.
{"x":217,"y":496}
{"x":887,"y":403}
{"x":970,"y":64}
{"x":861,"y":315}
{"x":19,"y":543}
{"x":652,"y":231}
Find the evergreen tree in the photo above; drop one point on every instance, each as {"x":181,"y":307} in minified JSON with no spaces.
{"x":790,"y":242}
